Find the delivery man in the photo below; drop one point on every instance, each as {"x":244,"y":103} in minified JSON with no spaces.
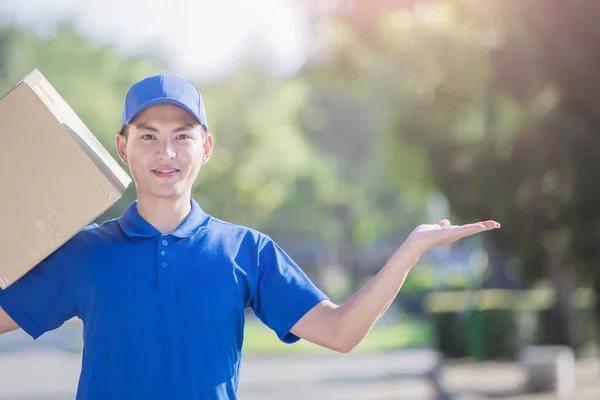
{"x":162,"y":290}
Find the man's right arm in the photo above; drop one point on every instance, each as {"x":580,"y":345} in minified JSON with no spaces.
{"x":6,"y":322}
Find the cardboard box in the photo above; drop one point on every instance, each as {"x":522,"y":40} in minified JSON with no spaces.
{"x":56,"y":176}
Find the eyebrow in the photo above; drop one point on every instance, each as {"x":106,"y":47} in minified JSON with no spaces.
{"x":182,"y":128}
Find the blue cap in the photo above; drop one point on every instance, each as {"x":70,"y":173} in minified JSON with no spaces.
{"x":163,"y":89}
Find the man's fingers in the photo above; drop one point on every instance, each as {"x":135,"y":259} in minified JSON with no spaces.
{"x":471,"y":229}
{"x":485,"y":225}
{"x":444,"y":223}
{"x":456,"y":232}
{"x":490,"y":224}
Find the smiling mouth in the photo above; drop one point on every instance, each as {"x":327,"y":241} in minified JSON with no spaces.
{"x":165,"y":172}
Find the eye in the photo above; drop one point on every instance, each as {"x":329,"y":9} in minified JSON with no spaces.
{"x":147,"y":136}
{"x":184,"y":136}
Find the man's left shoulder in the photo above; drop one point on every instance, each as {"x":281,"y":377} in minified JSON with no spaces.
{"x":229,"y":231}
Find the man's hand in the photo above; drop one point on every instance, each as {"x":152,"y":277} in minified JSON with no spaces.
{"x":427,"y":237}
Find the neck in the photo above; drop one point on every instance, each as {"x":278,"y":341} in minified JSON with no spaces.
{"x":164,"y":214}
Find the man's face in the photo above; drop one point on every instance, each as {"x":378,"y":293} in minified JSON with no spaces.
{"x":165,"y":148}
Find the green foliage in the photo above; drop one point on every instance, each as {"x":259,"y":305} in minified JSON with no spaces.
{"x":496,"y":324}
{"x":260,"y":151}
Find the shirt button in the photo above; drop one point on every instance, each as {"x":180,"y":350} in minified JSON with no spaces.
{"x":165,"y":243}
{"x":162,"y":253}
{"x":165,"y":265}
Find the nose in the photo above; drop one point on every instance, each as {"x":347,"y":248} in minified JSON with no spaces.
{"x":165,"y":150}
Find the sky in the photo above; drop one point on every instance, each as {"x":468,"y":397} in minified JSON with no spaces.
{"x":202,"y":39}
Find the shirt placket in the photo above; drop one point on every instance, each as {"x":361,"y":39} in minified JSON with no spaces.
{"x":163,"y":264}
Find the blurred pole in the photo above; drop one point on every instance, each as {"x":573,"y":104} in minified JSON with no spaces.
{"x":478,"y":262}
{"x":477,"y":266}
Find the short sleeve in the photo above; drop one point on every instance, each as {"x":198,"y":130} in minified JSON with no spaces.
{"x":284,"y":293}
{"x":42,"y":299}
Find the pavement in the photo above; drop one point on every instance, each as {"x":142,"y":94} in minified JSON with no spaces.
{"x":48,"y":369}
{"x":51,"y":374}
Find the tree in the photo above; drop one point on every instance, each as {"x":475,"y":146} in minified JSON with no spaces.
{"x":562,"y":38}
{"x":466,"y":88}
{"x":260,"y":150}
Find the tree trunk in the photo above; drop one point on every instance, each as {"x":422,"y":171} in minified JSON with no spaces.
{"x":596,"y":306}
{"x":565,"y":327}
{"x":497,"y":263}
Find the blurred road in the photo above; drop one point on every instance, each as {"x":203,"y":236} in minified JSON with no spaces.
{"x":47,"y":374}
{"x":48,"y":369}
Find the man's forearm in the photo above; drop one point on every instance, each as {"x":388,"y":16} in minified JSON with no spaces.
{"x":356,"y":317}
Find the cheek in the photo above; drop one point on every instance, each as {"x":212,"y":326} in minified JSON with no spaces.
{"x":137,"y":158}
{"x":191,"y":157}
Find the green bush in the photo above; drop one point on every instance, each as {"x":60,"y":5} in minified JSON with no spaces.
{"x":450,"y":333}
{"x":497,"y":324}
{"x":546,"y":328}
{"x":481,"y":334}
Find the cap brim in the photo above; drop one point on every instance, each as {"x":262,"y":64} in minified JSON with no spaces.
{"x":162,"y":100}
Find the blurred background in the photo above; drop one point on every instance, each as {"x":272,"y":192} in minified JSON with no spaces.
{"x":339,"y":126}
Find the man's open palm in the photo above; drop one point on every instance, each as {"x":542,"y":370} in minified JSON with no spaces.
{"x":429,"y":236}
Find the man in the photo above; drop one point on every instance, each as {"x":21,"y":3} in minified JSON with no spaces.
{"x":162,"y":290}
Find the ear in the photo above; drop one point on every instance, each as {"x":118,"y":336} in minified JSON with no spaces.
{"x":208,"y":146}
{"x":121,"y":143}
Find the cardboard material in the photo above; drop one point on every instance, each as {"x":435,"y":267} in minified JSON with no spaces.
{"x":56,"y":176}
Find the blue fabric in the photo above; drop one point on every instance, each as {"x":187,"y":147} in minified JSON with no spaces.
{"x":163,"y":315}
{"x":163,"y":89}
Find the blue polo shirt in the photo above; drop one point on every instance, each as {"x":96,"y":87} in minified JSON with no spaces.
{"x":163,"y":315}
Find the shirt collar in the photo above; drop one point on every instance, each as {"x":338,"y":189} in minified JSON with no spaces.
{"x":133,"y":224}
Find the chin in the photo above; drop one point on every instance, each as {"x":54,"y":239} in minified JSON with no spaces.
{"x":171,"y":191}
{"x":175,"y":194}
